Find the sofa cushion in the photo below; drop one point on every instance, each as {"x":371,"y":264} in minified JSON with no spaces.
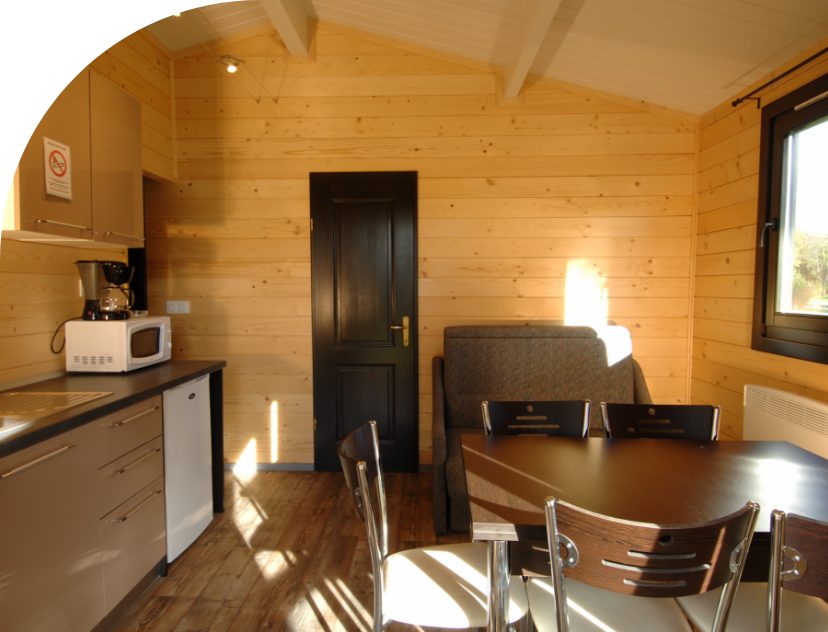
{"x":541,"y":363}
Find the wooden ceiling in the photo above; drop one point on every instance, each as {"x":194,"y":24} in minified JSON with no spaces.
{"x":690,"y":55}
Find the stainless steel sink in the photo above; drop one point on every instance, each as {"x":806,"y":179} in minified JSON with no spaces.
{"x":19,"y":408}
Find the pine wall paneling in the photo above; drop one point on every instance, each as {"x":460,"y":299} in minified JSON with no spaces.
{"x":519,"y":204}
{"x":723,"y":361}
{"x":38,"y":291}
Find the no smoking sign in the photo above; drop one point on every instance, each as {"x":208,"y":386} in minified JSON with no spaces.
{"x":57,"y":168}
{"x":57,"y":163}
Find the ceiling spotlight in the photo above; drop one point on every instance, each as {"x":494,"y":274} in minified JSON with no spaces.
{"x":231,"y":62}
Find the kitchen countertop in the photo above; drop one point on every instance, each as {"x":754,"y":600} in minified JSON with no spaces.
{"x":126,"y":388}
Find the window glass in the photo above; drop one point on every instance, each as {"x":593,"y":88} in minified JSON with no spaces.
{"x":802,"y":275}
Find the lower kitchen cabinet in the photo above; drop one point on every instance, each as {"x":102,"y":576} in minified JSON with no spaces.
{"x":83,"y":530}
{"x":83,"y":522}
{"x":50,"y":543}
{"x":133,"y":541}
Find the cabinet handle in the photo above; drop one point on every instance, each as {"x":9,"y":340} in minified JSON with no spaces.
{"x":128,"y":514}
{"x":36,"y":461}
{"x":134,"y":463}
{"x":123,"y":235}
{"x":48,"y":221}
{"x":134,"y":417}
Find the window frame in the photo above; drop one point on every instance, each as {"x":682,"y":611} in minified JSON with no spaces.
{"x":796,"y":336}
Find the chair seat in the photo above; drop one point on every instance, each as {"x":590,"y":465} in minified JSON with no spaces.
{"x":594,"y":610}
{"x":800,"y":613}
{"x":444,"y":586}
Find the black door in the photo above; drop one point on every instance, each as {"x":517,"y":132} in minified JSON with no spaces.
{"x":364,"y":281}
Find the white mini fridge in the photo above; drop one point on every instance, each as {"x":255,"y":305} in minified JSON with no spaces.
{"x":187,"y":464}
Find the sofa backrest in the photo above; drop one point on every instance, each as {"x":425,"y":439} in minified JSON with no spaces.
{"x":534,"y":363}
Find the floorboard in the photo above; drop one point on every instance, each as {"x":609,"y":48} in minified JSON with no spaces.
{"x":288,"y":554}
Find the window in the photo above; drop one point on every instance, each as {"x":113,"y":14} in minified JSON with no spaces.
{"x":791,"y":294}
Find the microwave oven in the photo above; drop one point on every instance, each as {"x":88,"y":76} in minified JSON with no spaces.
{"x":117,"y":346}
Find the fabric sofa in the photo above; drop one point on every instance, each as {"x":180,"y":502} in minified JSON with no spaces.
{"x":519,"y":363}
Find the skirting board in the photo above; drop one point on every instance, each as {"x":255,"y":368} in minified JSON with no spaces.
{"x":298,"y":467}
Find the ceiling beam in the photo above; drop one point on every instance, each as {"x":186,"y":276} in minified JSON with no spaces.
{"x":291,"y":22}
{"x":534,"y":25}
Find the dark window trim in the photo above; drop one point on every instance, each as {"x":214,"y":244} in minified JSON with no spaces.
{"x":774,"y":334}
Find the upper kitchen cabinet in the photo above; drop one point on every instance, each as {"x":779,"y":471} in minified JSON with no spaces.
{"x":79,"y":180}
{"x":117,"y":178}
{"x":60,"y":150}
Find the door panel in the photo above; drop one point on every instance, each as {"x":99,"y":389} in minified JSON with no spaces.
{"x":363,"y":273}
{"x":365,"y":392}
{"x":364,"y":279}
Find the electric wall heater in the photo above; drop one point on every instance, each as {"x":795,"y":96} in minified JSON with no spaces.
{"x":774,"y":415}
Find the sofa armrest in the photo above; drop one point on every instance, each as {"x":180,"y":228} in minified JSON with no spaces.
{"x":438,"y":443}
{"x":641,"y":392}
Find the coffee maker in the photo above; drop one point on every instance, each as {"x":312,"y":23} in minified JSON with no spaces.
{"x":104,"y":283}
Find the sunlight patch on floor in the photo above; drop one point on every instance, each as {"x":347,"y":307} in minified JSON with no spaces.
{"x":248,"y":517}
{"x":266,"y":569}
{"x":358,"y":614}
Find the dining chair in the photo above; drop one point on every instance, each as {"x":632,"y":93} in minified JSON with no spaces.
{"x":613,"y":574}
{"x":793,"y":598}
{"x":441,"y":586}
{"x":551,"y":419}
{"x":661,"y":421}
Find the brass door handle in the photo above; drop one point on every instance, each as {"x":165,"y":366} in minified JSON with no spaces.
{"x":404,"y":327}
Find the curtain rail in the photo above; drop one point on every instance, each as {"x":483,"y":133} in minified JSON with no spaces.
{"x":749,"y":97}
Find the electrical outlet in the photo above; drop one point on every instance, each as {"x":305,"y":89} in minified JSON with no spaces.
{"x":178,"y":307}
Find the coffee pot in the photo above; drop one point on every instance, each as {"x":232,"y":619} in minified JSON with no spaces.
{"x":104,"y":283}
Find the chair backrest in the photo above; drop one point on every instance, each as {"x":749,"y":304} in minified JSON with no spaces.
{"x":360,"y":458}
{"x":551,"y":419}
{"x":661,"y":421}
{"x":648,"y":560}
{"x":804,"y":543}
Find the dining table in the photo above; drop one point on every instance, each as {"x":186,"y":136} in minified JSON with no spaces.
{"x":660,"y":481}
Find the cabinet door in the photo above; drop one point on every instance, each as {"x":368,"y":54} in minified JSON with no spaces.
{"x":117,"y":180}
{"x":50,"y":545}
{"x":66,"y":122}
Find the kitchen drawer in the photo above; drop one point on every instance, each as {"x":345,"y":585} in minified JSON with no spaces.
{"x":129,"y":428}
{"x":133,"y":538}
{"x":125,"y":477}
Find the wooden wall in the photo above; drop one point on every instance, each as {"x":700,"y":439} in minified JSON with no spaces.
{"x":38,"y":291}
{"x":512,"y":199}
{"x":723,"y":361}
{"x":142,"y":66}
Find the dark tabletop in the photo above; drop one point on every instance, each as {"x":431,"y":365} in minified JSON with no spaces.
{"x":647,"y":480}
{"x":126,"y":388}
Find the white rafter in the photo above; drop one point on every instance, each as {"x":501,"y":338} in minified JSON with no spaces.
{"x":534,"y":24}
{"x":291,"y":21}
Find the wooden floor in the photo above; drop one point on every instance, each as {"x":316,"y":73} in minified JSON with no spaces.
{"x":288,"y":554}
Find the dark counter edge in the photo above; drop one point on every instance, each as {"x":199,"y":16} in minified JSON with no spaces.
{"x":158,"y":378}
